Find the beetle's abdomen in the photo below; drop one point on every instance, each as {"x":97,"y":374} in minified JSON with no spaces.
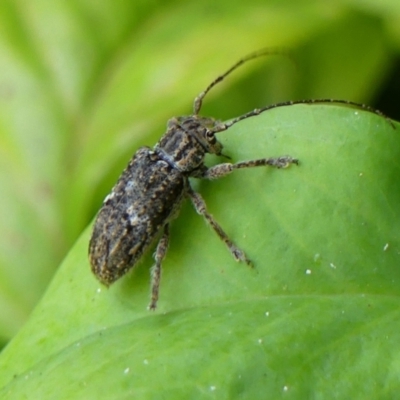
{"x":145,"y":198}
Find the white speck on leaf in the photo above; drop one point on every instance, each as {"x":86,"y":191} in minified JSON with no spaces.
{"x":386,"y":246}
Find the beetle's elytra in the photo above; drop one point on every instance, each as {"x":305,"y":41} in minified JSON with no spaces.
{"x":150,"y":191}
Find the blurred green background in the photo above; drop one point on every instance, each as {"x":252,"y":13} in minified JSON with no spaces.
{"x":84,"y":83}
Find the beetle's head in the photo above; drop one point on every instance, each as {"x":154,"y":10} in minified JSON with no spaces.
{"x":201,"y":129}
{"x":188,"y":139}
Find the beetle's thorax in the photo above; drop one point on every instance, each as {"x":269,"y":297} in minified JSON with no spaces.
{"x":187,"y":140}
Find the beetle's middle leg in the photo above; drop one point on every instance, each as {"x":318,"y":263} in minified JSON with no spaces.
{"x":156,"y":269}
{"x":200,"y":206}
{"x":220,"y":170}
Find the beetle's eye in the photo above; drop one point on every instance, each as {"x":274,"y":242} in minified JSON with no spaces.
{"x":210,"y":137}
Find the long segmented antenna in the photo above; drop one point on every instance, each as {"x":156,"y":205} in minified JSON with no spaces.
{"x":264,"y":52}
{"x":258,"y":111}
{"x":198,"y":101}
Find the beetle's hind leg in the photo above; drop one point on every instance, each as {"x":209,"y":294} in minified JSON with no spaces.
{"x":200,"y":206}
{"x":159,"y":256}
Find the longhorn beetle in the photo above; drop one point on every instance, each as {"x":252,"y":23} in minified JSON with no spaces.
{"x":150,"y":191}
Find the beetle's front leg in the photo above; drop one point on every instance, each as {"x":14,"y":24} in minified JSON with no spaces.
{"x":220,"y":170}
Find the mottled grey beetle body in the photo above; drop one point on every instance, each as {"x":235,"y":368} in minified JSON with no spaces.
{"x":150,"y":191}
{"x":147,"y":196}
{"x":144,"y":199}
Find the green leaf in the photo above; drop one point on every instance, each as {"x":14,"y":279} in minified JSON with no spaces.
{"x":84,"y":83}
{"x":318,"y":316}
